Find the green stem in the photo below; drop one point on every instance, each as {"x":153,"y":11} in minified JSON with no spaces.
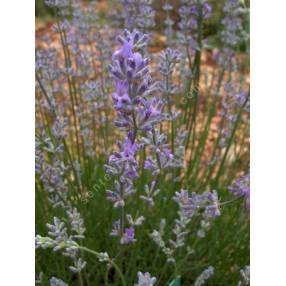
{"x":97,"y":254}
{"x":229,"y":142}
{"x":231,"y":201}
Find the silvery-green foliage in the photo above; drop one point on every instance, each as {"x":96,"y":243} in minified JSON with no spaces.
{"x":57,"y":282}
{"x":204,"y":276}
{"x":245,"y":276}
{"x":145,"y":279}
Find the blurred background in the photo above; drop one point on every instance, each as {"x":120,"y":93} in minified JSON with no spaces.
{"x":109,"y":8}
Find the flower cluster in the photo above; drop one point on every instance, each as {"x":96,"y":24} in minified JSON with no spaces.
{"x":232,"y":103}
{"x":206,"y":205}
{"x":59,"y":240}
{"x":169,"y":31}
{"x":137,"y":112}
{"x":137,"y":14}
{"x":241,"y":188}
{"x":245,"y":275}
{"x":192,"y":14}
{"x":52,"y":172}
{"x":232,"y":34}
{"x":57,"y":282}
{"x":145,"y":279}
{"x":205,"y":275}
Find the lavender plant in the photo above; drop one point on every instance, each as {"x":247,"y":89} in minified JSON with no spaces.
{"x":142,"y":157}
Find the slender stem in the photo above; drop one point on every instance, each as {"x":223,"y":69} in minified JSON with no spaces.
{"x":135,"y":127}
{"x":80,"y":279}
{"x":97,"y":254}
{"x":71,"y":86}
{"x":231,"y":201}
{"x":106,"y":276}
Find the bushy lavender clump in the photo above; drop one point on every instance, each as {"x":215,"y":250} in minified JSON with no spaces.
{"x":204,"y":276}
{"x":241,"y":188}
{"x":73,"y":137}
{"x":145,"y":279}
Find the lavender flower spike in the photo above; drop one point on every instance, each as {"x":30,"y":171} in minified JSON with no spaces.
{"x":241,"y":187}
{"x":205,"y":275}
{"x":135,"y":112}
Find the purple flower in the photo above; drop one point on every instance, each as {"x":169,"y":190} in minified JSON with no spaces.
{"x":124,"y":52}
{"x":145,"y":279}
{"x":207,"y":9}
{"x":124,"y":161}
{"x":137,"y":14}
{"x":121,"y":99}
{"x":128,"y":236}
{"x":241,"y":187}
{"x":191,"y":14}
{"x":232,"y":32}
